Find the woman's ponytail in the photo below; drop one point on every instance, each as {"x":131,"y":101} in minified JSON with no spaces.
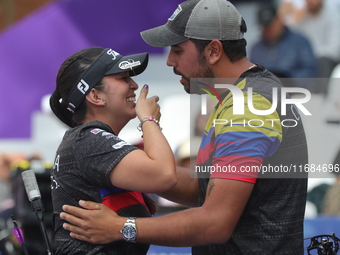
{"x":60,"y":110}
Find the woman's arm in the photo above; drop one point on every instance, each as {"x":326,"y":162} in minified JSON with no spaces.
{"x":152,"y":170}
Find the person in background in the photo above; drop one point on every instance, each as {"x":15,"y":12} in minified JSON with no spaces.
{"x":285,"y":53}
{"x":331,"y":200}
{"x":320,"y":23}
{"x":7,"y":159}
{"x":95,"y":96}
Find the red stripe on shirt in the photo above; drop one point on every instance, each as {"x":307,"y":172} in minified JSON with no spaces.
{"x":242,"y":168}
{"x":122,"y":200}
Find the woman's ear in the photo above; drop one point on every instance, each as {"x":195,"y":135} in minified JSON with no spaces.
{"x":94,"y":97}
{"x":214,"y":51}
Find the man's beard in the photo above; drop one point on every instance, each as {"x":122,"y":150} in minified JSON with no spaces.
{"x":203,"y":72}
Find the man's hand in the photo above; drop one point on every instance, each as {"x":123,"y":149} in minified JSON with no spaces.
{"x":95,"y":224}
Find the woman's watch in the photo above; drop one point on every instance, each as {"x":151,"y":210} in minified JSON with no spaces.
{"x":129,"y":230}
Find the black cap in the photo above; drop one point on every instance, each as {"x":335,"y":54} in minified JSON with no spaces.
{"x":108,"y":62}
{"x":266,"y":14}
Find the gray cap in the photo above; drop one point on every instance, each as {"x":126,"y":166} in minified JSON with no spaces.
{"x":197,"y":19}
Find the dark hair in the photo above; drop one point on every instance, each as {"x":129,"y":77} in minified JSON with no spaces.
{"x":234,"y":49}
{"x":69,"y":72}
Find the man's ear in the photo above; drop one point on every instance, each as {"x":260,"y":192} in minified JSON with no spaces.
{"x":214,"y":51}
{"x":94,"y":97}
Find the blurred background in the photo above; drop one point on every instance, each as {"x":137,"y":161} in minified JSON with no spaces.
{"x":37,"y":36}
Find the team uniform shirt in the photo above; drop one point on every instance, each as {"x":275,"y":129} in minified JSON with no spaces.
{"x":235,"y":144}
{"x":241,"y":148}
{"x":83,"y":163}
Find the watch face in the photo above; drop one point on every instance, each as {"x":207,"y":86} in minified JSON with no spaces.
{"x":129,"y":232}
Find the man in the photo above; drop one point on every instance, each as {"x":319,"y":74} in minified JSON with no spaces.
{"x":236,"y":212}
{"x":282,"y":51}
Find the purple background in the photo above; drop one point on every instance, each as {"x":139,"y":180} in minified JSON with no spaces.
{"x":32,"y":50}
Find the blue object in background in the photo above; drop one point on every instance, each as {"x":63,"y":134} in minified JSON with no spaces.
{"x":313,"y":227}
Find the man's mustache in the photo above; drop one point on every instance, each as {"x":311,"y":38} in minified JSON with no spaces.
{"x":177,"y":72}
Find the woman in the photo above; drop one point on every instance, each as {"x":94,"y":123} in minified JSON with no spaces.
{"x":95,"y":96}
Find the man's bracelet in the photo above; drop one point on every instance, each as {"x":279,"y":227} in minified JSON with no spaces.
{"x":147,"y":118}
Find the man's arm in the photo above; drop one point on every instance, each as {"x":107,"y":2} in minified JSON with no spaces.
{"x":213,"y":222}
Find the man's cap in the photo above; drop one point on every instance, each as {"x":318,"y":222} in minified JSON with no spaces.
{"x":108,"y":62}
{"x":197,"y":19}
{"x":266,"y":14}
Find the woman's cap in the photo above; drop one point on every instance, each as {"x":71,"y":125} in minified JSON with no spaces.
{"x":108,"y":62}
{"x":197,"y":19}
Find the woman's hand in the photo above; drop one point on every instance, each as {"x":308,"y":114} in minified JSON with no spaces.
{"x":147,"y":107}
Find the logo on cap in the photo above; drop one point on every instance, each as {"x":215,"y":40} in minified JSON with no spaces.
{"x":128,"y":64}
{"x":113,"y":53}
{"x":83,"y":86}
{"x":176,"y":12}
